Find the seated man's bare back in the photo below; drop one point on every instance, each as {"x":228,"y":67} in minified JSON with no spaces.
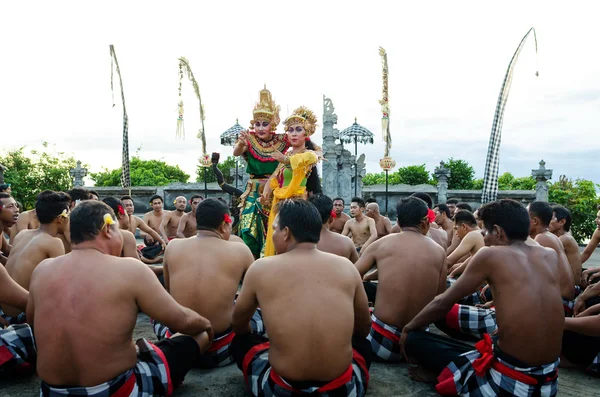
{"x":302,"y":338}
{"x":331,"y":242}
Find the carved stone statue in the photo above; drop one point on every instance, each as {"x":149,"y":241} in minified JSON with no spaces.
{"x":442,"y":174}
{"x":541,"y":176}
{"x":78,"y":173}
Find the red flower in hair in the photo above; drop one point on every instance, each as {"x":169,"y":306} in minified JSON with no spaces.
{"x":120,"y":209}
{"x":333,"y":214}
{"x":430,"y":215}
{"x":227,"y":218}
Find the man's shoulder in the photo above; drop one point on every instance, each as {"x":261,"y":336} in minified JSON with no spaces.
{"x":345,"y":216}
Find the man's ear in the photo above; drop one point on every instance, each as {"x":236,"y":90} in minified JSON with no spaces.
{"x":287,"y":234}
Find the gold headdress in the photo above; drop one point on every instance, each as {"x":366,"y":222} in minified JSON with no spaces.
{"x":303,"y":116}
{"x":266,"y":109}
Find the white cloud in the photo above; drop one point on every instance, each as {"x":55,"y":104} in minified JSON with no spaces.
{"x":447,"y":61}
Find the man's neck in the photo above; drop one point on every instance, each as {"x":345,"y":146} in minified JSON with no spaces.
{"x":50,"y":229}
{"x":539,"y":230}
{"x":159,"y":212}
{"x":447,"y":224}
{"x":91,"y":246}
{"x":359,"y":217}
{"x":413,"y":229}
{"x":560,"y":232}
{"x":180,"y":211}
{"x":301,"y":247}
{"x":376,"y":217}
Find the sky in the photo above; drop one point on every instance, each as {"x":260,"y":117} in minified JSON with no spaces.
{"x":447,"y":61}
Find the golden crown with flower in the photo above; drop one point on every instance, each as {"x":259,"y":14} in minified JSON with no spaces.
{"x":304,"y":116}
{"x":266,"y":109}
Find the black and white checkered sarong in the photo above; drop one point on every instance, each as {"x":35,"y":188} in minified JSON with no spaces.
{"x":472,"y":320}
{"x":385,"y":340}
{"x":150,"y":377}
{"x":17,"y":348}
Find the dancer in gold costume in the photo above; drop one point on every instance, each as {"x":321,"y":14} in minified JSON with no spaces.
{"x":296,"y":176}
{"x":262,"y":149}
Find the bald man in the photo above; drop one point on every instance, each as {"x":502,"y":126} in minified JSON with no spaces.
{"x":170,"y":222}
{"x":382,"y":223}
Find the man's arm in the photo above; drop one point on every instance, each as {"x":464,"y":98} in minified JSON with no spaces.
{"x":388,"y":225}
{"x":589,"y":325}
{"x":55,"y":248}
{"x":5,"y":244}
{"x":362,"y":315}
{"x":163,"y":224}
{"x":443,"y":276}
{"x":247,"y":302}
{"x":573,"y":256}
{"x":145,"y":219}
{"x":591,"y":247}
{"x":373,"y":231}
{"x":181,"y":227}
{"x":453,"y":245}
{"x":366,"y":260}
{"x":353,"y":254}
{"x":11,"y":293}
{"x":156,"y":302}
{"x":465,"y":246}
{"x":346,"y":230}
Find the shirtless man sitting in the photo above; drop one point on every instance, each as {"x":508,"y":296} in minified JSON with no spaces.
{"x":16,"y":341}
{"x":208,"y":283}
{"x":560,"y":226}
{"x":187,"y":224}
{"x":471,"y":240}
{"x":322,"y":351}
{"x":331,"y":242}
{"x":154,"y":217}
{"x":444,"y":220}
{"x":337,"y":226}
{"x":540,"y":215}
{"x":135,"y":222}
{"x":170,"y":222}
{"x":362,"y":228}
{"x":28,"y":220}
{"x":520,"y":360}
{"x":9,"y":214}
{"x":34,"y":246}
{"x":382,"y":223}
{"x":453,"y":244}
{"x":83,"y":307}
{"x":412,"y":271}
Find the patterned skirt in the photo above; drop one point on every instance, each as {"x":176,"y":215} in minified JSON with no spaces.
{"x":253,"y":216}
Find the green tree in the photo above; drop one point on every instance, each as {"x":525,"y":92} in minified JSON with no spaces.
{"x":413,"y":175}
{"x":581,"y":199}
{"x":478,"y":184}
{"x":461,"y":174}
{"x":36,"y":171}
{"x":373,"y":179}
{"x":143,"y":173}
{"x":225,"y":167}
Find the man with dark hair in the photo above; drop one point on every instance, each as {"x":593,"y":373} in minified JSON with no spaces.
{"x":471,"y":240}
{"x":302,"y":338}
{"x":129,"y":243}
{"x":337,"y":226}
{"x":464,"y":206}
{"x":361,"y":228}
{"x":154,"y":218}
{"x":93,"y":195}
{"x":187,"y":225}
{"x":331,"y":242}
{"x":382,"y":223}
{"x":411,"y":269}
{"x":9,"y":215}
{"x":452,"y":206}
{"x":5,"y":188}
{"x":157,"y":245}
{"x":444,"y":220}
{"x":560,"y":226}
{"x":434,"y":232}
{"x":78,"y":195}
{"x":90,"y":351}
{"x":208,"y":283}
{"x":33,"y":246}
{"x":170,"y":222}
{"x":540,"y":215}
{"x":519,"y":360}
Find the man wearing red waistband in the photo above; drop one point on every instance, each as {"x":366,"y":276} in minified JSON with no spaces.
{"x":315,"y":310}
{"x":83,"y":308}
{"x":412,"y":271}
{"x":204,"y":272}
{"x":521,"y":361}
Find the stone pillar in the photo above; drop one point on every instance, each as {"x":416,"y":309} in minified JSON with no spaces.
{"x":2,"y":169}
{"x":330,"y":155}
{"x":442,"y":174}
{"x":78,"y":173}
{"x":541,"y":176}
